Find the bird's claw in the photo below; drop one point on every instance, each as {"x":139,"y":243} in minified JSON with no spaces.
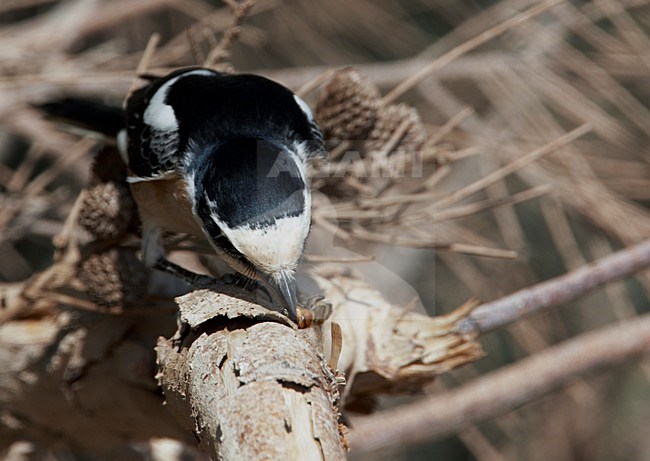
{"x":204,"y":282}
{"x":314,"y":311}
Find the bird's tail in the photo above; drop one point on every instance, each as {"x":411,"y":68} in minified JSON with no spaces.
{"x":86,"y":113}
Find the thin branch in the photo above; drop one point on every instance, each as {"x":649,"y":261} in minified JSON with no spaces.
{"x":501,"y":312}
{"x":426,"y":240}
{"x":466,"y":47}
{"x":314,"y":259}
{"x":476,"y":207}
{"x":513,"y":166}
{"x":219,"y":53}
{"x":145,"y":60}
{"x":38,"y":184}
{"x":501,"y":391}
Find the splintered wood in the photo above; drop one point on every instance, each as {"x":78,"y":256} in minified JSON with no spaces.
{"x":385,"y":348}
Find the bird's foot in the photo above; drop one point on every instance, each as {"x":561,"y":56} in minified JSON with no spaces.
{"x":314,"y":311}
{"x":192,"y":278}
{"x":181,"y":333}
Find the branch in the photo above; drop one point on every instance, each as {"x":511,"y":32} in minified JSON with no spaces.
{"x":500,"y":391}
{"x":249,"y":385}
{"x":501,"y":312}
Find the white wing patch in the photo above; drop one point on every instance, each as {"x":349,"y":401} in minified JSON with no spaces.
{"x":159,"y":177}
{"x":305,"y":108}
{"x":159,"y":115}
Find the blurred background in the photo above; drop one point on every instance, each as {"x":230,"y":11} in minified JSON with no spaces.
{"x":578,"y":62}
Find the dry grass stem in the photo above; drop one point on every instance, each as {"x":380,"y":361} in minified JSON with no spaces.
{"x":466,"y":47}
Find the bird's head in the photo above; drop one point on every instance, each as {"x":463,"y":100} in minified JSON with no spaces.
{"x":253,"y":202}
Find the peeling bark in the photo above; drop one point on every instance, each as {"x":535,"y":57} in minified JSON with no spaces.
{"x":249,"y":385}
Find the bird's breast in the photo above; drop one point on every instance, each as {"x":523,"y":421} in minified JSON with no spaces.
{"x":165,"y":203}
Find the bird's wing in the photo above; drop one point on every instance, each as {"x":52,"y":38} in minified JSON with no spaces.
{"x":203,"y":108}
{"x":153,"y":140}
{"x":315,"y":134}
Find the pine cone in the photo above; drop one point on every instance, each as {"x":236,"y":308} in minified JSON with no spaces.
{"x":347,"y":107}
{"x":107,"y":211}
{"x":388,"y":122}
{"x":114,"y":277}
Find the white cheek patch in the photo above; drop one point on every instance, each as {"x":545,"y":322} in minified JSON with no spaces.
{"x":305,"y":108}
{"x":160,"y":115}
{"x":275,"y":247}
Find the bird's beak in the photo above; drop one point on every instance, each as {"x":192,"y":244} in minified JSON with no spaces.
{"x":283,"y":290}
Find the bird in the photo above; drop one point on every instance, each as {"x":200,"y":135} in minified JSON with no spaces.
{"x":222,"y":157}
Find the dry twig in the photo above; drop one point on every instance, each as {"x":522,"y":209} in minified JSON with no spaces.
{"x":501,"y":312}
{"x":501,"y":391}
